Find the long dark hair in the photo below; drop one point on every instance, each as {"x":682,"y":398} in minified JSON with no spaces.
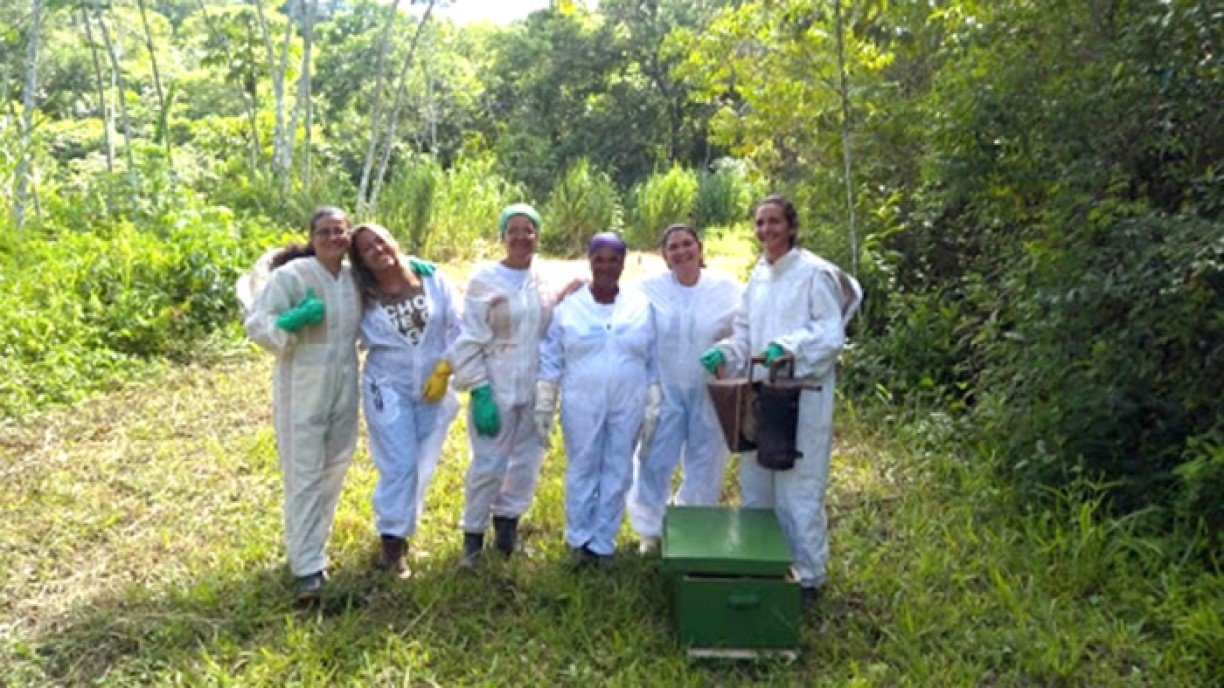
{"x":672,"y":229}
{"x":788,"y":212}
{"x":294,"y":250}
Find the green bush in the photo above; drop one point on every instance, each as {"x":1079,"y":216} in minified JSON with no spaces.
{"x":1104,"y":355}
{"x":662,"y":200}
{"x":583,"y":203}
{"x":724,"y":194}
{"x":405,"y":205}
{"x":468,"y":200}
{"x":125,"y":296}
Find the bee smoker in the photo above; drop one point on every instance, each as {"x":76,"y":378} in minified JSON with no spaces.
{"x":762,"y":415}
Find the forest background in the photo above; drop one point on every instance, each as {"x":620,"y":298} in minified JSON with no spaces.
{"x":1030,"y":192}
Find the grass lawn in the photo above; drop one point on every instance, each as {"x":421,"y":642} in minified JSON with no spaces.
{"x":142,"y":545}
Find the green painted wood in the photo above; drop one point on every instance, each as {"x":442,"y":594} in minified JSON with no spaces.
{"x":746,"y":613}
{"x":724,"y":541}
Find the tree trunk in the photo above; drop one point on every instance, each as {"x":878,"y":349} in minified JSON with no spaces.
{"x":164,"y":113}
{"x":278,"y":69}
{"x":117,"y":84}
{"x":375,"y":108}
{"x":27,"y":115}
{"x":847,"y":156}
{"x":401,"y":88}
{"x":301,"y":103}
{"x":308,"y":40}
{"x":104,"y":110}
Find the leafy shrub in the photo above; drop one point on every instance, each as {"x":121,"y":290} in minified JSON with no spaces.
{"x":724,"y":194}
{"x":125,"y":296}
{"x":1104,"y":356}
{"x":583,"y":203}
{"x":405,"y":206}
{"x":662,"y":200}
{"x":469,"y":198}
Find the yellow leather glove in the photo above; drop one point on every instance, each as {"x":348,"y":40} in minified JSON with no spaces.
{"x":435,"y":385}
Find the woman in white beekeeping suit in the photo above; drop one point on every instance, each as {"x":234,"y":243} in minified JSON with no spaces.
{"x":693,"y":307}
{"x":307,"y":315}
{"x":411,"y":317}
{"x":796,"y":304}
{"x":506,"y":311}
{"x":599,"y":355}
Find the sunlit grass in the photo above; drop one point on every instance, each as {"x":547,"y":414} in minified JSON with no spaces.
{"x":142,"y":545}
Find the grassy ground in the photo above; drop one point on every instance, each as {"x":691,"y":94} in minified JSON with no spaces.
{"x":141,"y":545}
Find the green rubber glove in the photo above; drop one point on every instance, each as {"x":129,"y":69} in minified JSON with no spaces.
{"x":772,"y":353}
{"x":308,"y":312}
{"x":422,"y":268}
{"x":484,"y":412}
{"x":712,"y":359}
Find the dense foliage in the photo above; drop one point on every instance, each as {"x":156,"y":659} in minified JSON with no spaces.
{"x":1031,"y":192}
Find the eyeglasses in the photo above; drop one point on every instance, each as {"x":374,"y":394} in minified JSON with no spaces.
{"x":330,"y":232}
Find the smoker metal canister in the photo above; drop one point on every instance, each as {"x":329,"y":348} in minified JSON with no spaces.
{"x":732,"y":399}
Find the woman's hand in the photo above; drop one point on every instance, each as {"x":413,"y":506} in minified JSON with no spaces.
{"x":435,"y":385}
{"x":422,"y":268}
{"x":485,"y":416}
{"x":713,"y":360}
{"x":309,"y":311}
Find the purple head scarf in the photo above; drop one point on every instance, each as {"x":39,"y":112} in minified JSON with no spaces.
{"x":606,"y":240}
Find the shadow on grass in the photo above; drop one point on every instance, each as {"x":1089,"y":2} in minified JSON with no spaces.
{"x":530,"y":620}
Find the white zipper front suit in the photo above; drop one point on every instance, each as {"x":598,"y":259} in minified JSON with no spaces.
{"x":687,"y":321}
{"x":801,"y":302}
{"x":505,"y":314}
{"x":601,"y":355}
{"x":314,"y":399}
{"x":406,"y":432}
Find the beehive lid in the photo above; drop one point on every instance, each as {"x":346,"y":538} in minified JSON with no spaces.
{"x":724,"y":540}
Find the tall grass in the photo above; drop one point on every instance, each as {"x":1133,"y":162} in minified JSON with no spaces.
{"x":446,"y":214}
{"x":584,"y":202}
{"x":725,"y":194}
{"x":470,"y":195}
{"x":662,"y":200}
{"x":406,"y":205}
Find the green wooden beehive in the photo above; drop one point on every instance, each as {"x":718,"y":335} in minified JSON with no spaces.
{"x":732,"y":593}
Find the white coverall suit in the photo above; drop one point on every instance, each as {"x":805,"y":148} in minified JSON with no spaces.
{"x":600,"y":354}
{"x":499,"y":345}
{"x":687,"y":321}
{"x":314,"y":399}
{"x":406,"y":432}
{"x":802,"y":303}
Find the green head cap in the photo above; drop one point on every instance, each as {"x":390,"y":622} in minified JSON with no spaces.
{"x":517,"y":209}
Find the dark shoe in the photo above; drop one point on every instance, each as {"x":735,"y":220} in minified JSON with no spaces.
{"x":810,"y":596}
{"x":394,"y":556}
{"x":505,"y":534}
{"x":603,"y":561}
{"x":309,"y":588}
{"x":581,"y":557}
{"x":473,"y":543}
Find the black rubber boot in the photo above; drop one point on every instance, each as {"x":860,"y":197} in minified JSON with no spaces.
{"x":505,"y":534}
{"x":473,"y":543}
{"x":393,"y":556}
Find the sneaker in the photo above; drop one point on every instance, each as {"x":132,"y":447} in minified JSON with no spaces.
{"x":650,"y":546}
{"x":393,"y":557}
{"x":309,"y":588}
